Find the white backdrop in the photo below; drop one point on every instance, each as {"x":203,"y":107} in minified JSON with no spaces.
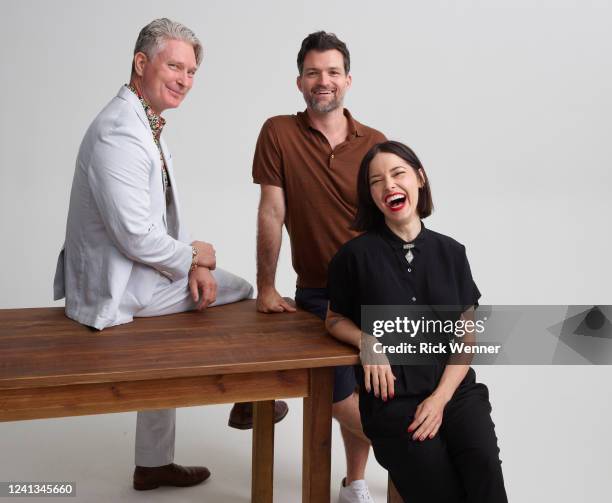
{"x":507,"y":103}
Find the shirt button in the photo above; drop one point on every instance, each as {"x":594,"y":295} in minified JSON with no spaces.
{"x":409,"y":270}
{"x":413,"y":299}
{"x":332,"y":156}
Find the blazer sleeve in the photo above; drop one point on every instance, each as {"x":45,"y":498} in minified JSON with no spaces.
{"x":119,"y":182}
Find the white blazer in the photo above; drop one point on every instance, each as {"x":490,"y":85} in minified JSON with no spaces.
{"x":117,"y":239}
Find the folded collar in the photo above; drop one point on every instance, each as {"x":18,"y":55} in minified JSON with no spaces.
{"x":397,"y":242}
{"x":354,"y":126}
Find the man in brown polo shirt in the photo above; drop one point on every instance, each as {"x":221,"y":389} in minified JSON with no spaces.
{"x":306,"y":165}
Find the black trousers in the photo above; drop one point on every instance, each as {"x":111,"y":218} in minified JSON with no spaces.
{"x":459,"y":465}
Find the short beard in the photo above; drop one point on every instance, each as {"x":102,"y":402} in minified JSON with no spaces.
{"x":322,"y":107}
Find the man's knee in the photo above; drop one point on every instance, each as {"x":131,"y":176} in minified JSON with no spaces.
{"x":230,"y":287}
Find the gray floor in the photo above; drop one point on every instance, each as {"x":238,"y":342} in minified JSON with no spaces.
{"x":97,"y":453}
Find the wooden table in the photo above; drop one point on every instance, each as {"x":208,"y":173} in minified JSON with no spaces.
{"x":51,"y":366}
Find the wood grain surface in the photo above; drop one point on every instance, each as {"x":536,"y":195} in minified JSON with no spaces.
{"x":104,"y":398}
{"x":51,"y":366}
{"x":262,"y":470}
{"x":316,"y":447}
{"x":42,"y":347}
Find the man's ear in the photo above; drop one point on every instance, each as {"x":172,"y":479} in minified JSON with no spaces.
{"x":349,"y":79}
{"x":140,"y":61}
{"x":298,"y":82}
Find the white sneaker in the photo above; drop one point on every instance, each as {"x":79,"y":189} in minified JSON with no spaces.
{"x":355,"y":492}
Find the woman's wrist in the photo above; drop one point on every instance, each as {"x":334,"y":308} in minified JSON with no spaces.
{"x":445,"y":393}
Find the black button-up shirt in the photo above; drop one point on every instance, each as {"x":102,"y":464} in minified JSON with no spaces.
{"x":372,"y":269}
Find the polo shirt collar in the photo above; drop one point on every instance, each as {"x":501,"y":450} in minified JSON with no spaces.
{"x":355,"y":128}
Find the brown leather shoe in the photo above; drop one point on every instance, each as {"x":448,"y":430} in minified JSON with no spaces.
{"x":146,"y":478}
{"x":241,"y":416}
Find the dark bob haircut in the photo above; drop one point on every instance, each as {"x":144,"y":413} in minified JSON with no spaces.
{"x":368,"y":215}
{"x":322,"y":41}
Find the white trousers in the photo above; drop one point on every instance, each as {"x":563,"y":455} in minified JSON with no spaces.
{"x":155,"y":428}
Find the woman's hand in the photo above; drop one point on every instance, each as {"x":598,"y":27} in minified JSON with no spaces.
{"x":382,"y":380}
{"x":428,"y":417}
{"x":378,"y":373}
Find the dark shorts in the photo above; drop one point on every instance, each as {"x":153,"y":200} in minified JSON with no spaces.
{"x":314,"y":300}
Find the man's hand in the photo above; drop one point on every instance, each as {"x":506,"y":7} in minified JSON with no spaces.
{"x":206,"y":255}
{"x":270,"y":301}
{"x":203,"y":287}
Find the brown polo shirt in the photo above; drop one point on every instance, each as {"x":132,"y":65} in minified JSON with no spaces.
{"x":320,"y":186}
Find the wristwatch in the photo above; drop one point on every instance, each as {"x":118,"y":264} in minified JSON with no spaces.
{"x":194,"y":259}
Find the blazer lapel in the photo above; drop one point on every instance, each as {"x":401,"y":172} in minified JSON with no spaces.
{"x":132,"y":99}
{"x":172,"y":218}
{"x":173,"y":213}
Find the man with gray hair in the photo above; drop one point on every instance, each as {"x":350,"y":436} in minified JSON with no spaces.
{"x":126,"y":252}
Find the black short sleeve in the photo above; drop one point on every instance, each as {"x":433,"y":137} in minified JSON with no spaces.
{"x":467,"y":289}
{"x":341,"y":284}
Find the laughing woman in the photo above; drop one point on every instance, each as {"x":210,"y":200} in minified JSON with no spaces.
{"x":430,"y":426}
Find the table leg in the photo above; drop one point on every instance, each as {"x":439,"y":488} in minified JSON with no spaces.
{"x":263,"y":452}
{"x":316,"y":450}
